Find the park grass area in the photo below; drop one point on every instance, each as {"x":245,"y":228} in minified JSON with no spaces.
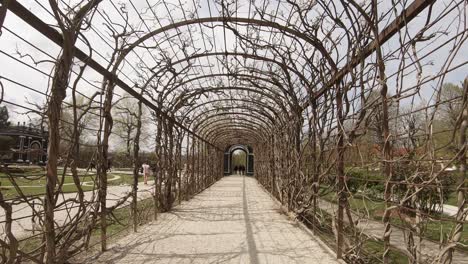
{"x":32,"y":181}
{"x":122,"y":223}
{"x":371,"y":251}
{"x":362,"y":178}
{"x":117,"y":227}
{"x":453,"y":199}
{"x":376,"y":248}
{"x":433,"y":229}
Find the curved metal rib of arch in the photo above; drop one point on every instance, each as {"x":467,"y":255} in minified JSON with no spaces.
{"x":225,"y":75}
{"x":239,"y":146}
{"x":221,"y":74}
{"x":225,"y":142}
{"x":229,"y":113}
{"x":247,"y":136}
{"x":283,"y":66}
{"x":259,"y":103}
{"x":208,"y":121}
{"x":214,"y":124}
{"x":283,"y":29}
{"x":235,"y":75}
{"x":276,"y":100}
{"x":242,"y":107}
{"x":217,"y":127}
{"x":197,"y":123}
{"x":221,"y":88}
{"x":231,"y":136}
{"x":232,"y":127}
{"x":209,"y":130}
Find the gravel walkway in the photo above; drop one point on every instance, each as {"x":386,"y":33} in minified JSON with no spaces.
{"x":233,"y":221}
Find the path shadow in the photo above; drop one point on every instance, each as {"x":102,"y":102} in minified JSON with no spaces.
{"x":252,"y":247}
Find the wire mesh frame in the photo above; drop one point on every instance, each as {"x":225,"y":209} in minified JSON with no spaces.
{"x":342,"y":132}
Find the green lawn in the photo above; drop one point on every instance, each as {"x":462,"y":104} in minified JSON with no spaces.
{"x":358,"y":203}
{"x":33,"y":181}
{"x":114,"y":229}
{"x":376,"y":248}
{"x":433,"y":230}
{"x":452,"y":199}
{"x":372,"y":251}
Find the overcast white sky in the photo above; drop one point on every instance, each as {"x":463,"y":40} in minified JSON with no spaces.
{"x":433,"y":63}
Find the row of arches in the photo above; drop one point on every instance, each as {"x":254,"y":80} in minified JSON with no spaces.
{"x":305,"y":84}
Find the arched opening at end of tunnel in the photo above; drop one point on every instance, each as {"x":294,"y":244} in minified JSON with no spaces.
{"x":238,"y":162}
{"x":239,"y":159}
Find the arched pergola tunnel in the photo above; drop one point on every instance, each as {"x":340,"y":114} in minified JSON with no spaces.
{"x":342,"y":103}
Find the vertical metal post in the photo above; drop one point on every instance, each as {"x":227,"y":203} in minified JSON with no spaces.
{"x":33,"y":217}
{"x":187,"y":165}
{"x":315,"y":172}
{"x":192,"y":172}
{"x":179,"y":170}
{"x":198,"y":166}
{"x":205,"y":165}
{"x":340,"y":172}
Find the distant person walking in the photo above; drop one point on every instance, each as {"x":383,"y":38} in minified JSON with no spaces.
{"x":91,"y":166}
{"x":109,"y":165}
{"x":146,"y":172}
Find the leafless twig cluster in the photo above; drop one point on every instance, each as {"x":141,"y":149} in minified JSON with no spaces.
{"x":356,"y":112}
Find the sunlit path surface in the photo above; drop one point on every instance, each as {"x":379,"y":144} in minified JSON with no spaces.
{"x":234,"y":221}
